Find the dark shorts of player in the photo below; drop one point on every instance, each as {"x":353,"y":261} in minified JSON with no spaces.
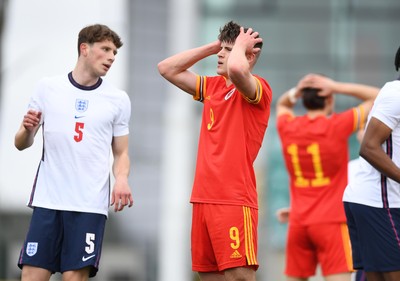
{"x":360,"y":276}
{"x":223,"y":237}
{"x":62,"y":241}
{"x":375,"y":237}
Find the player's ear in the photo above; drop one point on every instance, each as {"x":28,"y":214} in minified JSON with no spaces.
{"x":250,"y":57}
{"x":84,"y":48}
{"x":329,"y":99}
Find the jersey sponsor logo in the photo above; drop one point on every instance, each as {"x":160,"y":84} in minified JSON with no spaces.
{"x":230,"y":93}
{"x":236,"y":255}
{"x":79,"y":116}
{"x":31,"y":248}
{"x":81,"y":105}
{"x":87,"y":258}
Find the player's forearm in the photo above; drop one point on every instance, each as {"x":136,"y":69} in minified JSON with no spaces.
{"x":238,"y":64}
{"x":23,"y":138}
{"x":186,"y":59}
{"x":371,"y":149}
{"x":121,"y":166}
{"x":288,"y":99}
{"x":380,"y":161}
{"x":360,"y":91}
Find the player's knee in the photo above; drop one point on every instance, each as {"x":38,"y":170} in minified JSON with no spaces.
{"x":32,"y":273}
{"x":240,"y":274}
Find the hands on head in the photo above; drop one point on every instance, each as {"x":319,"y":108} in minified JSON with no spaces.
{"x":325,"y":84}
{"x":249,"y":39}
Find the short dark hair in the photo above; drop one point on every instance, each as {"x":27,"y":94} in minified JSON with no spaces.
{"x":311,"y":99}
{"x":397,"y":60}
{"x":98,"y":33}
{"x":230,"y":31}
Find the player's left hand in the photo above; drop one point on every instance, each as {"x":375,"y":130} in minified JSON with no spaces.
{"x":121,"y":195}
{"x":248,"y":40}
{"x":283,"y":215}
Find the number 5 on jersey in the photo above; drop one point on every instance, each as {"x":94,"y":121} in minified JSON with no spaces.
{"x":79,"y":131}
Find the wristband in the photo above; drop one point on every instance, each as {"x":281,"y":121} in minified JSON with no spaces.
{"x":292,"y":95}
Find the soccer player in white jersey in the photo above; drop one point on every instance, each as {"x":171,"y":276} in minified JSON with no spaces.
{"x":84,"y":119}
{"x":372,"y":199}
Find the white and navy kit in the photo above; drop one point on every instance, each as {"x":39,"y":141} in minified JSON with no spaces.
{"x":372,"y":200}
{"x":369,"y":186}
{"x":62,"y":241}
{"x":71,"y":191}
{"x":78,"y":126}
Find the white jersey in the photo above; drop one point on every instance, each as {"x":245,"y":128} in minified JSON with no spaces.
{"x":78,"y":126}
{"x":352,"y":168}
{"x":369,"y":186}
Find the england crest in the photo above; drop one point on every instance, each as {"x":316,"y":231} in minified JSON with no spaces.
{"x":31,"y":248}
{"x":81,"y":105}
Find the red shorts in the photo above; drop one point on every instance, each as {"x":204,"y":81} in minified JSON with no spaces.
{"x":223,"y":236}
{"x":324,"y":244}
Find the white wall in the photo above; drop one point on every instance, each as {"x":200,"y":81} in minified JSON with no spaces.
{"x":41,"y":40}
{"x":177,"y":172}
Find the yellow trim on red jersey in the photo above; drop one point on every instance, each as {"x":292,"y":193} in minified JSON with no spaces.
{"x":248,"y":237}
{"x":200,"y":88}
{"x":363,"y":117}
{"x":359,"y":117}
{"x":347,"y":246}
{"x":258,"y":97}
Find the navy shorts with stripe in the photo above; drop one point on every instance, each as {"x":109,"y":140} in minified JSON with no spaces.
{"x":375,"y":237}
{"x":61,"y":241}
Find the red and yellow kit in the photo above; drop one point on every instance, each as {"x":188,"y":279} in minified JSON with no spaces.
{"x":224,"y":196}
{"x":316,"y":155}
{"x":223,"y":236}
{"x":325,"y":244}
{"x":231,"y":135}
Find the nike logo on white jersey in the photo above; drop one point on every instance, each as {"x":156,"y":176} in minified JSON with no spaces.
{"x":77,"y":116}
{"x":230,"y":93}
{"x":87,"y":258}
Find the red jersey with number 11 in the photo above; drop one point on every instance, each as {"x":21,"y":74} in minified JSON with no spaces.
{"x":316,"y":155}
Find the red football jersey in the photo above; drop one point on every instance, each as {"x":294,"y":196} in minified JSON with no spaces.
{"x":231,"y":135}
{"x":316,"y":154}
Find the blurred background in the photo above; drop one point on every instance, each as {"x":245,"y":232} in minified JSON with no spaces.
{"x":348,"y":40}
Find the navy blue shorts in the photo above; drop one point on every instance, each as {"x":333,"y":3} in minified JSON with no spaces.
{"x":61,"y":241}
{"x":375,"y":237}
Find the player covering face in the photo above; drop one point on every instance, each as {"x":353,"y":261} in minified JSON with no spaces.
{"x":236,"y":107}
